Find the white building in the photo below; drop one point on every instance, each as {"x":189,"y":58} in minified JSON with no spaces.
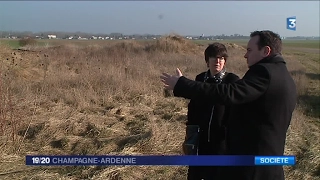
{"x":51,"y":36}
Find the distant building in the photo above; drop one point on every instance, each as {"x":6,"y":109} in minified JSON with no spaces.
{"x":50,"y":36}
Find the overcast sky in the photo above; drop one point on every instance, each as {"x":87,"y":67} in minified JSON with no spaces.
{"x":182,"y":17}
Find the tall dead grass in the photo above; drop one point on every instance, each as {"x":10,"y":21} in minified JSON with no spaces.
{"x":10,"y":111}
{"x":105,"y":99}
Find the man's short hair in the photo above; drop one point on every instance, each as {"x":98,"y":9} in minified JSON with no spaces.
{"x":214,"y":50}
{"x":268,"y":38}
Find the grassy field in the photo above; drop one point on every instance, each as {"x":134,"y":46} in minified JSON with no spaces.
{"x":302,"y":43}
{"x":314,"y":44}
{"x":14,"y":43}
{"x":286,"y":43}
{"x":102,"y":97}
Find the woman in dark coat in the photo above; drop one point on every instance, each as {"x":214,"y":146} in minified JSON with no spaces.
{"x":206,"y":125}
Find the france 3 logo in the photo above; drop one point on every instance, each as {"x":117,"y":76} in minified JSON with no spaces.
{"x":291,"y":23}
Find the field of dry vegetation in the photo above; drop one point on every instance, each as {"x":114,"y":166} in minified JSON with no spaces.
{"x":108,"y":99}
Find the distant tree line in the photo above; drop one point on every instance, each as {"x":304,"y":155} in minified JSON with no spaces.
{"x":65,"y":35}
{"x":23,"y":34}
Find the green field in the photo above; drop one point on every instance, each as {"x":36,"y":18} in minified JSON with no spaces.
{"x":13,"y":43}
{"x":287,"y":43}
{"x":302,"y":43}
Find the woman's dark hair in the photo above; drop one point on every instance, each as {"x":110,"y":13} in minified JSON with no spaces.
{"x":215,"y":50}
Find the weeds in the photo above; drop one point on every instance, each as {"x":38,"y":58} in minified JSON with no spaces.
{"x":108,"y":99}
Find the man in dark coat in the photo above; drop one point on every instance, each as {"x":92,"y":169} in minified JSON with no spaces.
{"x":262,"y":105}
{"x":206,"y":118}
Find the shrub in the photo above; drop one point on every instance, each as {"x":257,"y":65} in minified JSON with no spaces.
{"x":27,"y":41}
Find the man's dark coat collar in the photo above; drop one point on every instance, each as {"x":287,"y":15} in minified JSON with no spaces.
{"x":276,"y":58}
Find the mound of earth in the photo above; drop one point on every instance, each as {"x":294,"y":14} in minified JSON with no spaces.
{"x":173,"y":44}
{"x":234,"y":46}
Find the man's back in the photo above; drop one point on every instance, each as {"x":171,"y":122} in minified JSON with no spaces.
{"x":259,"y":127}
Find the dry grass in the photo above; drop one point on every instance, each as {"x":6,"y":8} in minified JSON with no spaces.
{"x":107,"y":99}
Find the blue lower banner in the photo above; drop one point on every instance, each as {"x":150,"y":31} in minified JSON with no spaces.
{"x":177,"y":160}
{"x":275,"y":160}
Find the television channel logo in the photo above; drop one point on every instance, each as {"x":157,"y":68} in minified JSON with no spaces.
{"x":292,"y":23}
